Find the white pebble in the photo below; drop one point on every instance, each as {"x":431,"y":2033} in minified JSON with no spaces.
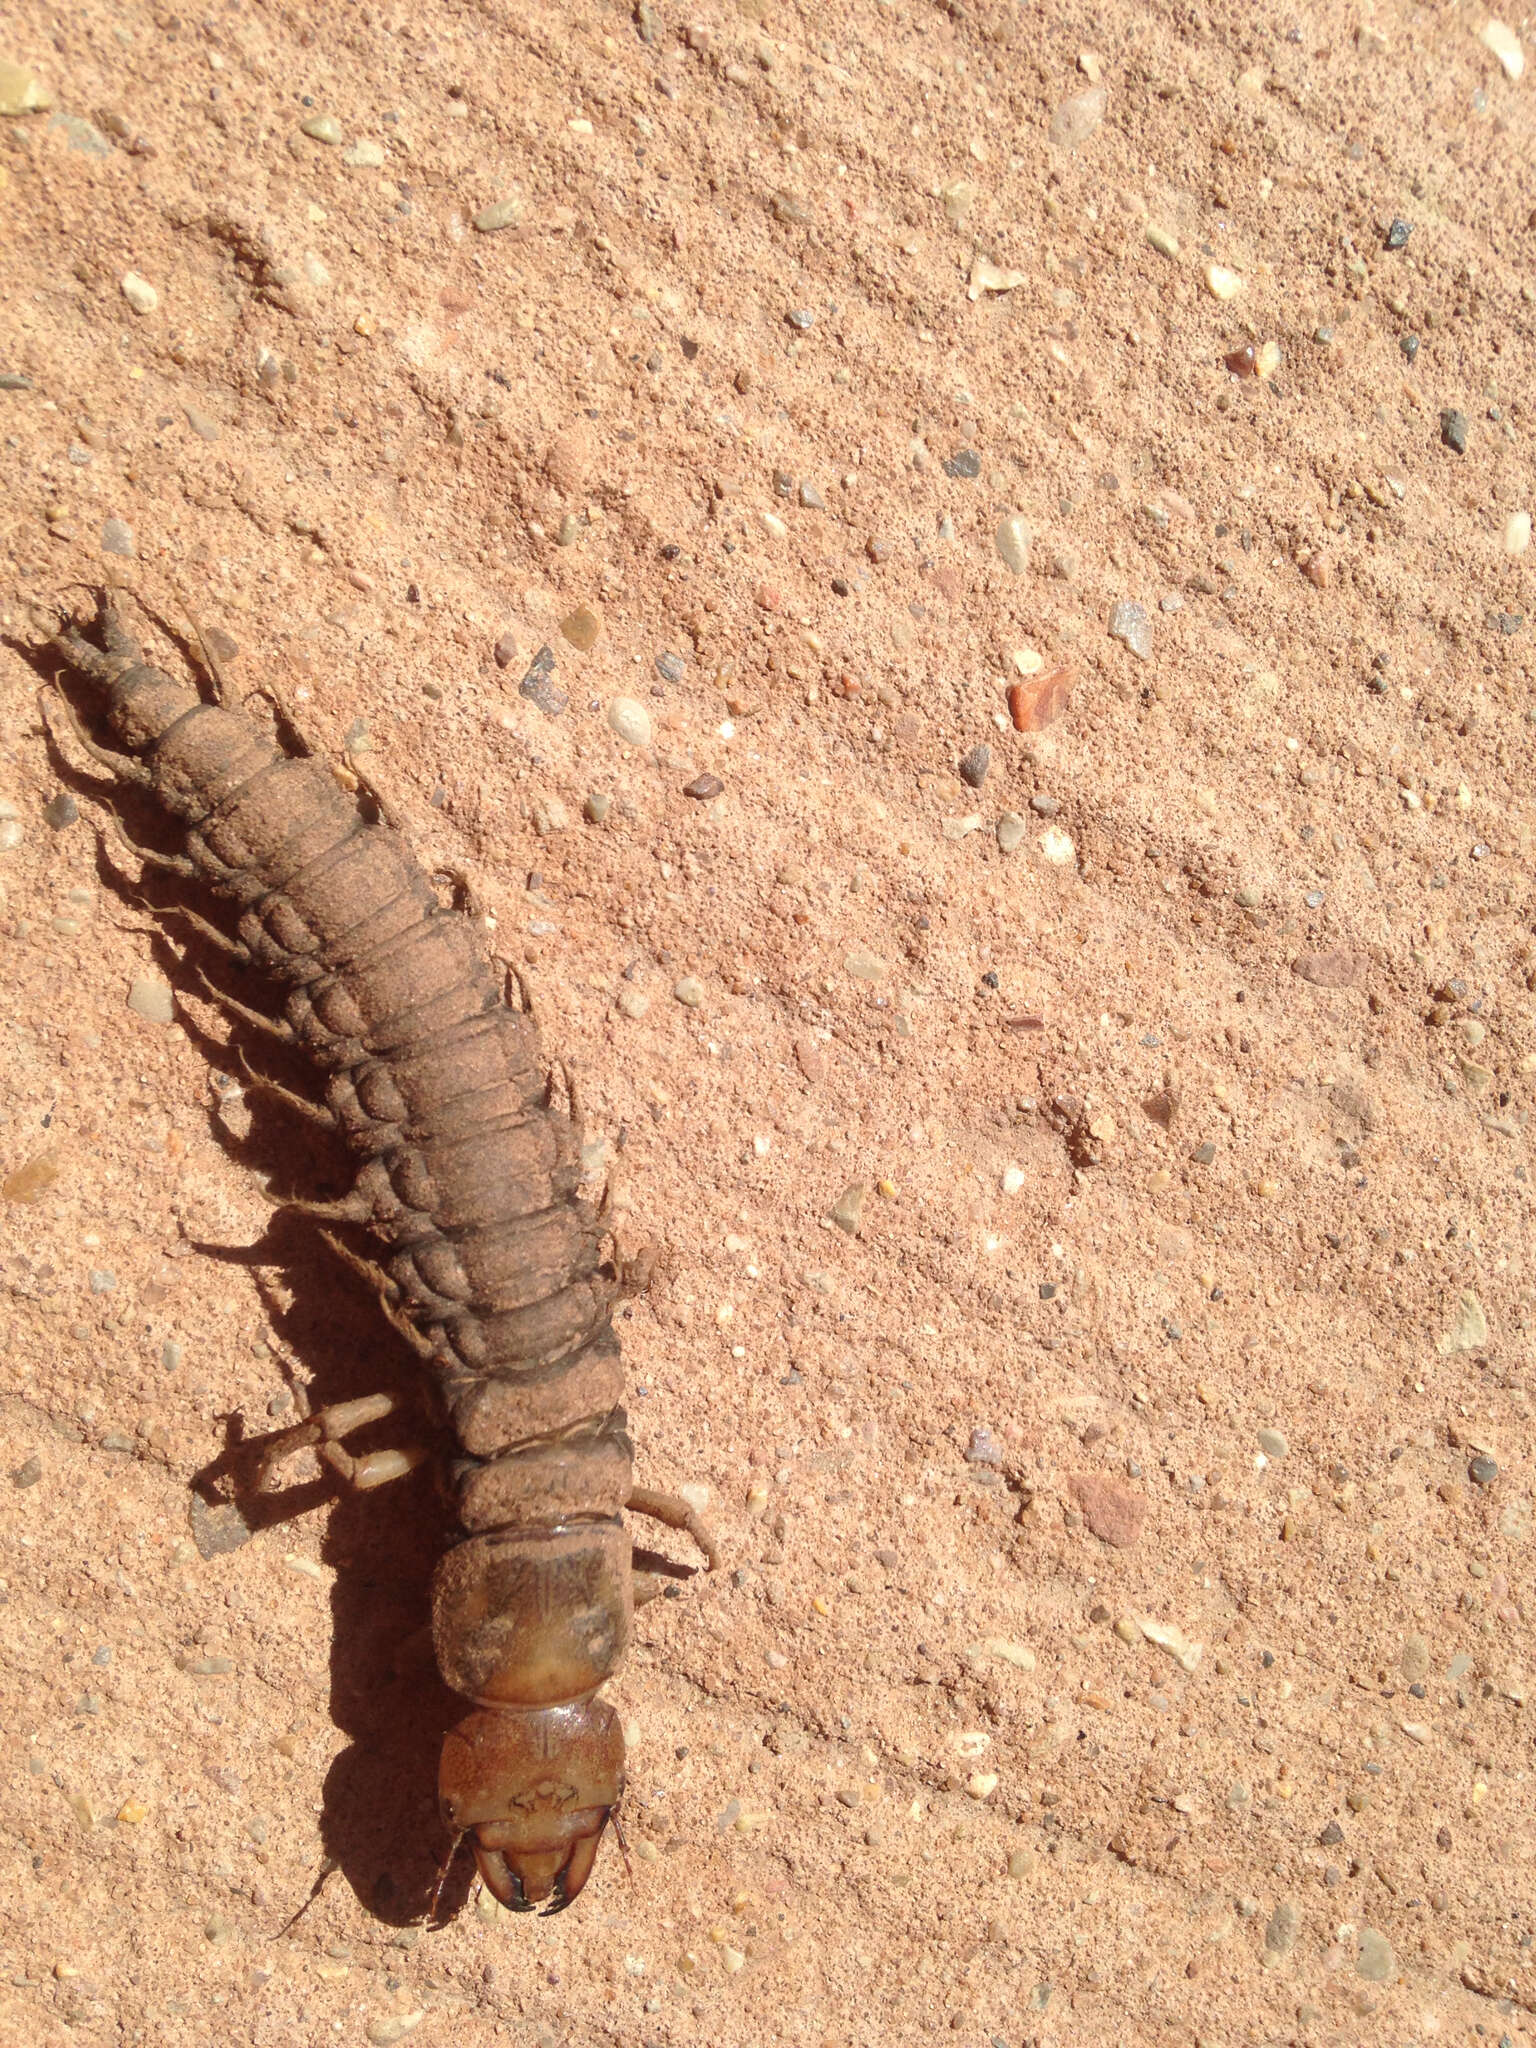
{"x":1013,"y":1179}
{"x":1517,"y":533}
{"x":982,"y":1784}
{"x":631,"y":721}
{"x":1222,"y":283}
{"x":1505,"y":45}
{"x":382,"y":2033}
{"x":152,"y":998}
{"x":696,"y":1493}
{"x":1057,"y":847}
{"x":364,"y":155}
{"x":140,"y":293}
{"x":689,"y":992}
{"x":987,"y":277}
{"x":1013,"y":542}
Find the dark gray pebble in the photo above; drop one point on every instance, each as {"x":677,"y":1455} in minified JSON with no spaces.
{"x":974,"y":764}
{"x":703,"y":787}
{"x":802,"y":317}
{"x":1453,"y":430}
{"x":61,"y":810}
{"x":671,"y":667}
{"x":1409,"y":344}
{"x":1398,"y":233}
{"x":1044,"y":806}
{"x":539,"y":686}
{"x":28,"y":1473}
{"x":1482,"y":1471}
{"x":965,"y":462}
{"x":13,"y":380}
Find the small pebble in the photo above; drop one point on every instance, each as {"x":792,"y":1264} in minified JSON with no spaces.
{"x":1517,"y":533}
{"x":633,"y":1003}
{"x":1377,"y":1964}
{"x":1129,"y":624}
{"x":983,"y":1448}
{"x":689,"y":992}
{"x":802,"y":318}
{"x":140,"y":293}
{"x":1453,"y":430}
{"x":22,"y":91}
{"x":1010,"y":831}
{"x":28,"y":1472}
{"x":1409,"y":344}
{"x":323,"y":128}
{"x":116,"y":538}
{"x":383,"y":2033}
{"x":503,"y":213}
{"x":1482,"y":1471}
{"x":811,"y":498}
{"x":1045,"y":806}
{"x":1040,"y":701}
{"x":848,"y":1210}
{"x":671,"y":667}
{"x":965,"y":462}
{"x":1056,"y":846}
{"x":582,"y":627}
{"x":597,"y":806}
{"x":364,"y":155}
{"x":1162,"y":241}
{"x":1284,"y":1924}
{"x":1013,"y":542}
{"x":864,"y":965}
{"x":1498,"y":37}
{"x":539,"y":685}
{"x":206,"y":429}
{"x":1398,"y":233}
{"x":153,"y":999}
{"x":1222,"y":283}
{"x":505,"y":650}
{"x":703,"y":788}
{"x":1274,"y":1443}
{"x":1076,"y":119}
{"x":630,"y":720}
{"x":974,"y":764}
{"x":102,"y":1282}
{"x":60,"y":810}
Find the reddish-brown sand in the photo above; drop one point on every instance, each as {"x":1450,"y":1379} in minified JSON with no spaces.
{"x":1125,"y":1626}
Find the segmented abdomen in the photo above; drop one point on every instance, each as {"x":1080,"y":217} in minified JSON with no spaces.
{"x":470,"y":1171}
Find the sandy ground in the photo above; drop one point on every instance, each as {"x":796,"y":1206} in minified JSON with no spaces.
{"x":1126,"y":1628}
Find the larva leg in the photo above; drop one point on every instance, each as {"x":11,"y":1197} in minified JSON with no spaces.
{"x":388,"y":815}
{"x":123,"y":767}
{"x":323,"y":1433}
{"x":518,"y":980}
{"x":673,"y":1512}
{"x":274,"y":1027}
{"x":388,"y":1294}
{"x":171,"y":863}
{"x":314,"y":1112}
{"x":232,"y":949}
{"x":353,"y":1208}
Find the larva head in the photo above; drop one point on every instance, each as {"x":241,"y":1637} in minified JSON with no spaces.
{"x":534,"y":1788}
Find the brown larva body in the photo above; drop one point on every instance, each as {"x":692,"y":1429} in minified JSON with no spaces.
{"x":470,"y":1176}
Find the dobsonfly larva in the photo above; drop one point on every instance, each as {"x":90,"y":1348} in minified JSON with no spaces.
{"x":494,"y":1272}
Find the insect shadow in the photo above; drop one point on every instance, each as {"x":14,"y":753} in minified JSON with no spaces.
{"x":379,"y":1824}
